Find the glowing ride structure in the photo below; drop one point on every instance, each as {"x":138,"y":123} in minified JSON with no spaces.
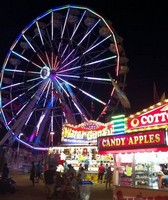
{"x":56,"y":68}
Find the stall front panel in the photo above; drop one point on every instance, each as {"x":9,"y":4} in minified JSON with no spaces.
{"x":134,"y":156}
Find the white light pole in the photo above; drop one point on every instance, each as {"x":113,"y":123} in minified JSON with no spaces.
{"x":19,"y":143}
{"x":17,"y":153}
{"x":51,"y":137}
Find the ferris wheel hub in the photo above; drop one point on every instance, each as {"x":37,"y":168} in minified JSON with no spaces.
{"x":45,"y":72}
{"x":53,"y":72}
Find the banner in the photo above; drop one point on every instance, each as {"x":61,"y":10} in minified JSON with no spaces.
{"x":85,"y":133}
{"x":146,"y":139}
{"x":154,"y":117}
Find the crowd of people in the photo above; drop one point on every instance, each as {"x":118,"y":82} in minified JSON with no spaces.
{"x":105,"y":174}
{"x":36,"y":172}
{"x":66,"y":185}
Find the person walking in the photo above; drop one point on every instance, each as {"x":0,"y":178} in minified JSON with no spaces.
{"x":87,"y":163}
{"x":108,"y":178}
{"x":70,"y":170}
{"x":32,"y":173}
{"x":162,"y":180}
{"x":5,"y":171}
{"x":101,"y":172}
{"x":105,"y":172}
{"x":49,"y":179}
{"x":39,"y":171}
{"x":82,"y":173}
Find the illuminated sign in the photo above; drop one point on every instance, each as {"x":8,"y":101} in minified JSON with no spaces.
{"x":85,"y":133}
{"x":133,"y":141}
{"x":118,"y":124}
{"x":155,"y":117}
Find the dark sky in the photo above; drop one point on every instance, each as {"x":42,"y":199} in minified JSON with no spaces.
{"x":142,"y":24}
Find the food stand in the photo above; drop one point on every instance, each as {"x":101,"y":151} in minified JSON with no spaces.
{"x":140,"y":152}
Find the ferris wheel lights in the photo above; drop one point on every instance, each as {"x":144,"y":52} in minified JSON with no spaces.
{"x":102,"y":60}
{"x":65,"y":50}
{"x":19,"y":136}
{"x":85,"y":36}
{"x":28,"y":39}
{"x":89,"y":49}
{"x":100,"y":79}
{"x":19,"y":55}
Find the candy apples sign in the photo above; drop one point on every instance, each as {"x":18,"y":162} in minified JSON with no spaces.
{"x":133,"y":141}
{"x":155,"y":117}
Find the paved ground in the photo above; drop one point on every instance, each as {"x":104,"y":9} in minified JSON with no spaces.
{"x":25,"y":191}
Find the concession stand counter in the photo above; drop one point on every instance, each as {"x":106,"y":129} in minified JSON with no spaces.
{"x":139,"y":153}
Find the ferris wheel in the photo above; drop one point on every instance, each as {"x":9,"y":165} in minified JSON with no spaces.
{"x":56,"y":72}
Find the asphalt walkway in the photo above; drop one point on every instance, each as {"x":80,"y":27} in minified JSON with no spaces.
{"x":25,"y":190}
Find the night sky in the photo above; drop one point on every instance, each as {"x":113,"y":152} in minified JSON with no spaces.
{"x":142,"y":24}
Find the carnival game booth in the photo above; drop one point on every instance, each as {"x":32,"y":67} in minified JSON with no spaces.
{"x":140,"y":153}
{"x":79,"y":146}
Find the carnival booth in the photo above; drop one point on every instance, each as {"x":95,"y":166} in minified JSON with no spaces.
{"x":140,"y":153}
{"x":79,"y":146}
